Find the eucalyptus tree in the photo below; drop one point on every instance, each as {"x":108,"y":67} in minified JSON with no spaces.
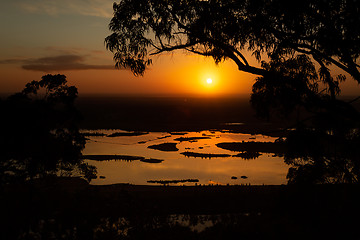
{"x":298,"y":45}
{"x":303,"y":49}
{"x":326,"y":31}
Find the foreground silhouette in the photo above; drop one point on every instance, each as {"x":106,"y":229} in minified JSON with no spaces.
{"x":39,"y":133}
{"x":75,"y":210}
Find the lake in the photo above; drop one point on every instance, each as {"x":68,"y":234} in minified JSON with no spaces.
{"x":194,"y":156}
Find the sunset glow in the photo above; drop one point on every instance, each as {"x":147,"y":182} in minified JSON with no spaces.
{"x":173,"y":119}
{"x":90,"y":67}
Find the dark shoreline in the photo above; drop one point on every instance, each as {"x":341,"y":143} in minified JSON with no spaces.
{"x":187,"y":199}
{"x":175,"y":114}
{"x":268,"y":212}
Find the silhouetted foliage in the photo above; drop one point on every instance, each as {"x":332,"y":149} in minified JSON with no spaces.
{"x":39,"y":133}
{"x":323,"y":30}
{"x":300,"y":41}
{"x":293,"y":83}
{"x":325,"y":149}
{"x":299,"y":45}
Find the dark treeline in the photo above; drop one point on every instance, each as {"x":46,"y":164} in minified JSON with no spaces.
{"x":173,"y":114}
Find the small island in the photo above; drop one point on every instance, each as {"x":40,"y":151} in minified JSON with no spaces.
{"x":248,"y":155}
{"x":166,"y":147}
{"x":267,"y":147}
{"x":127,"y":134}
{"x":111,"y":157}
{"x":167,"y":182}
{"x":190,"y":139}
{"x":151,"y":160}
{"x":204,"y":155}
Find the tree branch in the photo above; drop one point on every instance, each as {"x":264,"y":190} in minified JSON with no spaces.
{"x":172,"y":48}
{"x":241,"y":66}
{"x":328,"y":78}
{"x":313,"y":51}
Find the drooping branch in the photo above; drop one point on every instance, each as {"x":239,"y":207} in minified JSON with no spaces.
{"x":325,"y":74}
{"x":311,"y":50}
{"x":229,"y":51}
{"x":164,"y":48}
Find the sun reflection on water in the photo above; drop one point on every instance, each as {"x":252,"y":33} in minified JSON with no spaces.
{"x":266,"y":169}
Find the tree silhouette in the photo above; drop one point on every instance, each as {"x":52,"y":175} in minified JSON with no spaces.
{"x":39,"y":133}
{"x":323,"y":30}
{"x":300,"y":47}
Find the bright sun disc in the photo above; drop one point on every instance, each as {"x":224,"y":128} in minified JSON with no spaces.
{"x":209,"y":81}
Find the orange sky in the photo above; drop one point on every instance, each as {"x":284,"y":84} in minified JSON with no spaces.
{"x":67,"y":37}
{"x":175,"y":74}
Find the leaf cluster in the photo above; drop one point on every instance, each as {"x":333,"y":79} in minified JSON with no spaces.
{"x":323,"y":30}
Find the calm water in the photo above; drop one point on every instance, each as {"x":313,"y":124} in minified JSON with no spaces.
{"x":266,"y":169}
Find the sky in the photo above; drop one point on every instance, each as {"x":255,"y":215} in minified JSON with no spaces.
{"x":39,"y":37}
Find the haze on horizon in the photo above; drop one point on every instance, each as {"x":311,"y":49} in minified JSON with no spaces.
{"x":67,"y":37}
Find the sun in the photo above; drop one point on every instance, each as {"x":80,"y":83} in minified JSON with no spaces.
{"x":209,"y":81}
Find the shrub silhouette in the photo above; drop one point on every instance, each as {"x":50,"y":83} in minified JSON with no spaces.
{"x":39,"y":133}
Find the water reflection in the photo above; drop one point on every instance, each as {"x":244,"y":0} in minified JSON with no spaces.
{"x":265,"y":169}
